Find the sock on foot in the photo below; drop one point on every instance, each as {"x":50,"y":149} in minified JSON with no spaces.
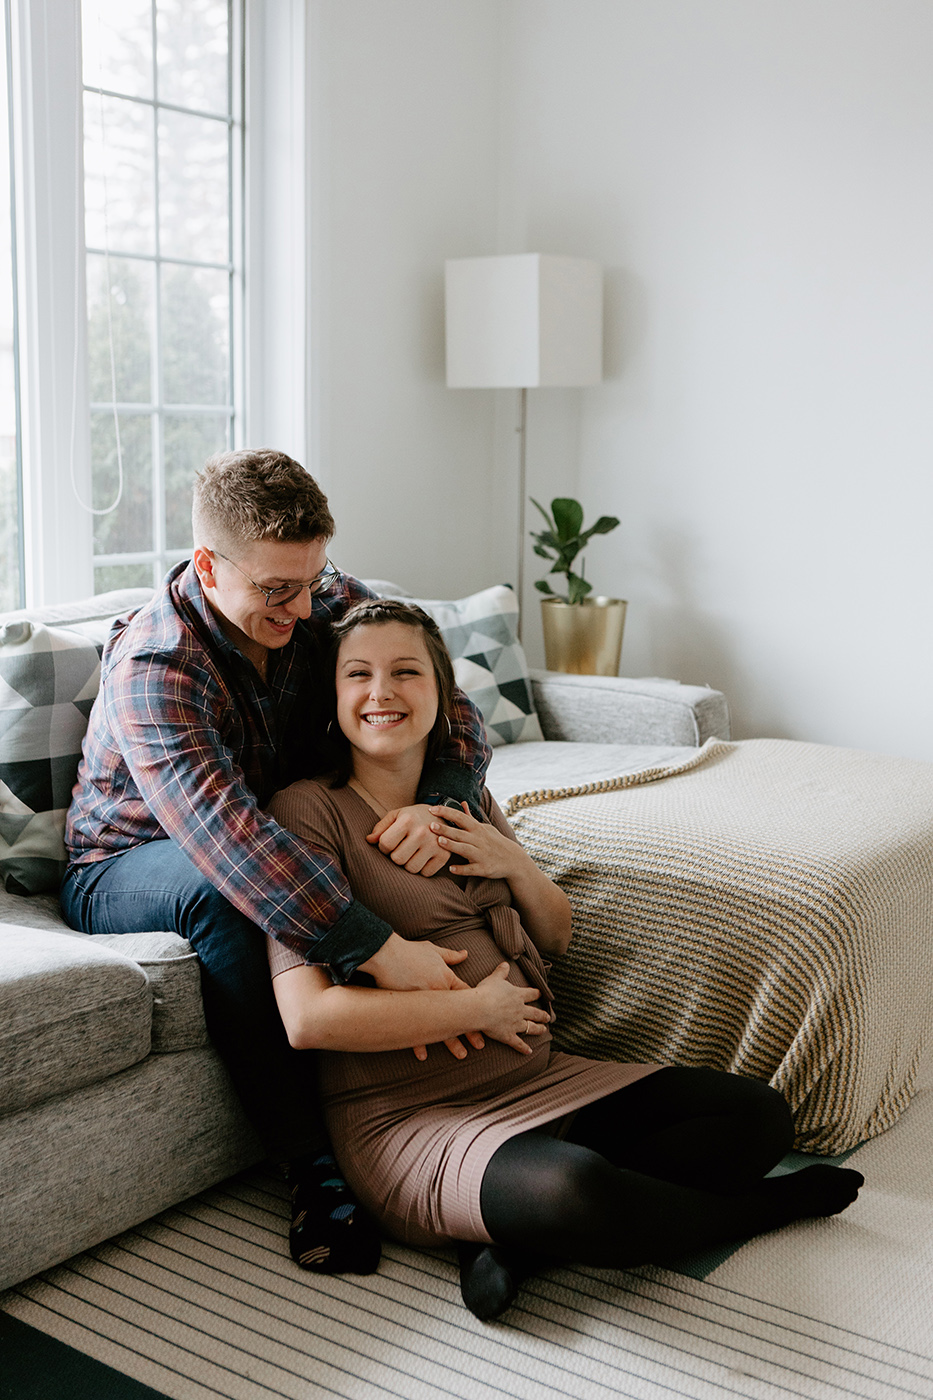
{"x":819,"y":1190}
{"x":489,"y":1279}
{"x":330,"y":1231}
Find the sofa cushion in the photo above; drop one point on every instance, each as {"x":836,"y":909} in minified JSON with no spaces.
{"x":168,"y":961}
{"x":84,"y":1166}
{"x":48,"y":680}
{"x":174,"y":974}
{"x":101,"y":608}
{"x":70,"y":1014}
{"x":553,"y":765}
{"x":32,"y":911}
{"x":481,"y":633}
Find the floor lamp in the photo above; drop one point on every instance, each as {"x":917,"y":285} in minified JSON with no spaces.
{"x":523,"y":321}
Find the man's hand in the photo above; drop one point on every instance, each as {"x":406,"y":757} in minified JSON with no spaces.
{"x":405,"y":836}
{"x":402,"y":966}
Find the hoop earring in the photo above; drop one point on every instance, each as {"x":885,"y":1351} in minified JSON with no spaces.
{"x":449,"y":730}
{"x":330,"y":725}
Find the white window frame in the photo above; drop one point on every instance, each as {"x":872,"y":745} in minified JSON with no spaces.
{"x":270,"y":375}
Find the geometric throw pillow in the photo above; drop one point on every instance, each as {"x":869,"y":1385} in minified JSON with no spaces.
{"x":489,"y":663}
{"x":49,"y":677}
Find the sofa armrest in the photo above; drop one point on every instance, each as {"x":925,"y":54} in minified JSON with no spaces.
{"x":620,"y":710}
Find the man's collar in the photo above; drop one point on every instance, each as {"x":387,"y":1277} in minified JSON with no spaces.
{"x":183,"y":581}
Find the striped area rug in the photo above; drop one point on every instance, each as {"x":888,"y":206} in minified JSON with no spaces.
{"x":203,"y":1302}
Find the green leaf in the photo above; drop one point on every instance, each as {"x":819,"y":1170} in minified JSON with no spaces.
{"x":568,"y":517}
{"x":550,"y":522}
{"x":578,"y":588}
{"x":543,"y":586}
{"x":604,"y":524}
{"x":541,"y":552}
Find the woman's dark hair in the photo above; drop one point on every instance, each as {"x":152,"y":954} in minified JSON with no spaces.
{"x":375,"y":612}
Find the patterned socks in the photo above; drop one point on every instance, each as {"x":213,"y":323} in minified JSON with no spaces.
{"x":330,"y":1232}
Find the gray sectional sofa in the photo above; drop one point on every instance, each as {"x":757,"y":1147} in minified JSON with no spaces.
{"x":113,"y":1104}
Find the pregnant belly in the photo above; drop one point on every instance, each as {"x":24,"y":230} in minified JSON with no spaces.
{"x":441,"y":1078}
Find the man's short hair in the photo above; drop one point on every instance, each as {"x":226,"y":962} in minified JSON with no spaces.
{"x":257,"y":494}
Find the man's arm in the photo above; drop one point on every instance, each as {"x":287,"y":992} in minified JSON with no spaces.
{"x":166,"y":714}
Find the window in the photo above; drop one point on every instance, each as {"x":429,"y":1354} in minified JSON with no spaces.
{"x":161,"y":159}
{"x":128,"y":234}
{"x":11,"y":493}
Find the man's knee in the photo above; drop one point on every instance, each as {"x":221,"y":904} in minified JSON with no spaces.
{"x":209,"y":920}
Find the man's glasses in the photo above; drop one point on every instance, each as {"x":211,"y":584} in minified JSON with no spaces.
{"x":288,"y":592}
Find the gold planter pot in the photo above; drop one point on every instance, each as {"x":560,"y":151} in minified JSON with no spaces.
{"x":585,"y":638}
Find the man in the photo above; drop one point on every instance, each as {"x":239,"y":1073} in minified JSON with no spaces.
{"x":207,"y":706}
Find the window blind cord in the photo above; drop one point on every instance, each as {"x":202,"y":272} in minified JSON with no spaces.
{"x":79,"y":212}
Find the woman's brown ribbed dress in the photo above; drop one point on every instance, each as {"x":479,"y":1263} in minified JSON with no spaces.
{"x":414,"y":1138}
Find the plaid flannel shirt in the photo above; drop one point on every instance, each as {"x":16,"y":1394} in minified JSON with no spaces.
{"x":186,"y":741}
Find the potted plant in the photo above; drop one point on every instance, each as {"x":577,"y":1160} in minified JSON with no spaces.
{"x":582,"y":633}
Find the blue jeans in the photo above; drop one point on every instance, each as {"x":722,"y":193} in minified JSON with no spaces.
{"x":155,"y":886}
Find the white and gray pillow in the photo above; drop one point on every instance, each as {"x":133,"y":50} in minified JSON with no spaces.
{"x":481,"y":633}
{"x":48,"y":680}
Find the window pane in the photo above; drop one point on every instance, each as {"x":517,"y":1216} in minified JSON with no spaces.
{"x":118,"y":175}
{"x":194,"y":188}
{"x":192,"y":48}
{"x":127,"y":529}
{"x":116,"y":38}
{"x":195,"y":335}
{"x":158,"y":197}
{"x":189,"y":440}
{"x":120,"y":304}
{"x":111,"y":576}
{"x":11,"y":581}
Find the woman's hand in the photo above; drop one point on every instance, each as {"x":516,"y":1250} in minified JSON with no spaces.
{"x":505,"y":1012}
{"x":482,"y":849}
{"x":478,"y":846}
{"x":407,"y":836}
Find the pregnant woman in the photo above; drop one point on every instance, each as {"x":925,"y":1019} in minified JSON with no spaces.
{"x":488,"y":1136}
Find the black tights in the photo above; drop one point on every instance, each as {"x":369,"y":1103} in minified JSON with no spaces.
{"x":671,"y":1163}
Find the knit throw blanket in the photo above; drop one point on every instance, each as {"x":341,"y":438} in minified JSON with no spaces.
{"x":765,"y":907}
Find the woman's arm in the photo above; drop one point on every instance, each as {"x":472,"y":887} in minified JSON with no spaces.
{"x":321,"y":1015}
{"x":484,"y":850}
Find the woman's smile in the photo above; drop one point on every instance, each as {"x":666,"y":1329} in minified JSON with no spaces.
{"x":381,"y":719}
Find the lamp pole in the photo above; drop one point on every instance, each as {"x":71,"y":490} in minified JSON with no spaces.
{"x":522,"y":423}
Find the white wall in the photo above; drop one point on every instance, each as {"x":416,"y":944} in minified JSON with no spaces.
{"x":405,"y":166}
{"x":757,"y":179}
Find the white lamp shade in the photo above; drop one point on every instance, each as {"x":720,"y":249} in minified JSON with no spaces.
{"x":523,"y":321}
